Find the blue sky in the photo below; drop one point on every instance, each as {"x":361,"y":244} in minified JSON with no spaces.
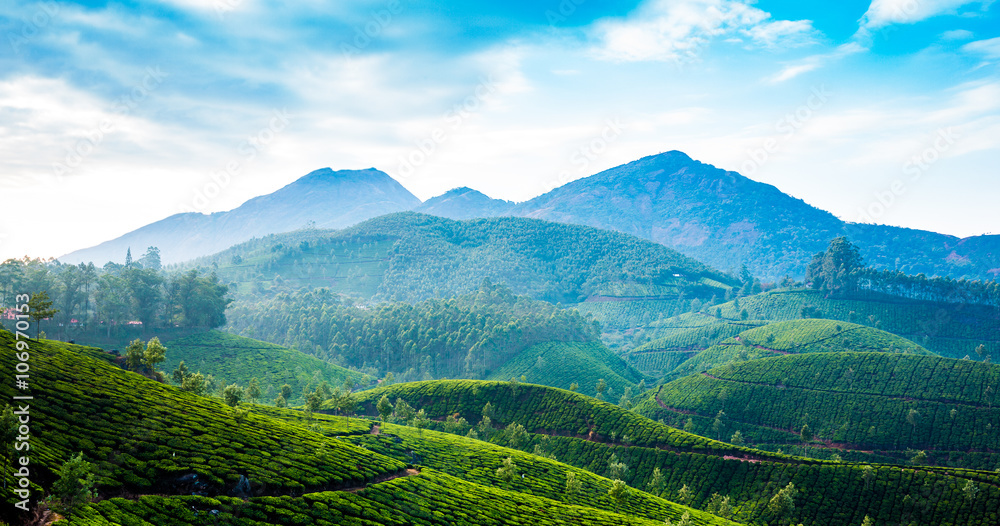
{"x":117,"y":114}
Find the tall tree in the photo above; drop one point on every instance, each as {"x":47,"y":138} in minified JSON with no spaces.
{"x":40,"y":308}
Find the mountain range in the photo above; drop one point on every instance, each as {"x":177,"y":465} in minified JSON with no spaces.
{"x":719,"y":217}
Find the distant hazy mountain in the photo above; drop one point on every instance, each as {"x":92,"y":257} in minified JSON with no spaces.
{"x":328,"y":198}
{"x":716,"y":216}
{"x":465,"y":203}
{"x":725,"y":219}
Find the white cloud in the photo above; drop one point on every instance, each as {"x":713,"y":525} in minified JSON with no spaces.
{"x":957,"y":34}
{"x":677,"y":30}
{"x":990,"y":48}
{"x":882,"y":13}
{"x":813,"y":62}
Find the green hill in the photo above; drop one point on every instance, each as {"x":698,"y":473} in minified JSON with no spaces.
{"x":585,"y":432}
{"x":236,"y":359}
{"x":796,"y":337}
{"x":560,"y":365}
{"x":949,"y":329}
{"x":410,"y":257}
{"x":165,"y":457}
{"x":890,"y":405}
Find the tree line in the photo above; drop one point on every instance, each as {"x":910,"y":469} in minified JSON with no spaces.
{"x":109,"y":298}
{"x":840,"y":271}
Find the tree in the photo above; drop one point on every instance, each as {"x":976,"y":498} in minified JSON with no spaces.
{"x":574,"y":387}
{"x":403,"y":410}
{"x":601,"y":387}
{"x":912,"y":416}
{"x":655,"y":485}
{"x":280,"y":401}
{"x":868,"y":475}
{"x":507,"y":471}
{"x":151,"y":259}
{"x":806,"y":434}
{"x":233,"y":394}
{"x":348,"y":404}
{"x":180,"y":373}
{"x":195,"y":383}
{"x":720,"y":506}
{"x":40,"y":308}
{"x":868,"y":521}
{"x":253,"y":390}
{"x":970,"y":490}
{"x":286,"y":391}
{"x":619,"y":493}
{"x":154,"y":354}
{"x":684,"y":495}
{"x":384,"y":407}
{"x":736,"y":439}
{"x":783,"y":501}
{"x":685,"y":520}
{"x":616,"y":468}
{"x":314,"y":401}
{"x":74,"y":486}
{"x":573,"y":484}
{"x":835,"y":270}
{"x":134,"y":354}
{"x":515,"y":434}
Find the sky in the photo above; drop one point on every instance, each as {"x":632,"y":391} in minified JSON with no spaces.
{"x":117,"y":114}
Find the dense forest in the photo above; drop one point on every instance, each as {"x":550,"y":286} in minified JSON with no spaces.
{"x":465,"y":336}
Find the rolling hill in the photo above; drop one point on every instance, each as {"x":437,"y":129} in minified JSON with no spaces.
{"x":165,"y":457}
{"x":237,"y":359}
{"x":410,"y":257}
{"x":794,"y":337}
{"x":584,"y":432}
{"x":888,"y":406}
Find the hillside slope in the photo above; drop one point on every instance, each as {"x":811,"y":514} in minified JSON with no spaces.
{"x":884,"y":403}
{"x":583,"y":432}
{"x":410,"y":256}
{"x":237,"y":359}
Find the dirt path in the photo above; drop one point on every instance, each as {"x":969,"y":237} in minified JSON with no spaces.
{"x":379,"y":480}
{"x":376,"y":429}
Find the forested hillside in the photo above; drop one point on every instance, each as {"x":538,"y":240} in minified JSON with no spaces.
{"x":465,"y":336}
{"x":410,"y":257}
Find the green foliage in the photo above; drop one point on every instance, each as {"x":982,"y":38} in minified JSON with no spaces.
{"x":74,"y":487}
{"x":873,"y":401}
{"x":466,"y":336}
{"x":237,"y":359}
{"x":141,"y":436}
{"x":559,"y":364}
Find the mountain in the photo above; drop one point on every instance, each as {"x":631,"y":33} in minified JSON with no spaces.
{"x":464,"y":203}
{"x":727,"y":220}
{"x":324,"y":197}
